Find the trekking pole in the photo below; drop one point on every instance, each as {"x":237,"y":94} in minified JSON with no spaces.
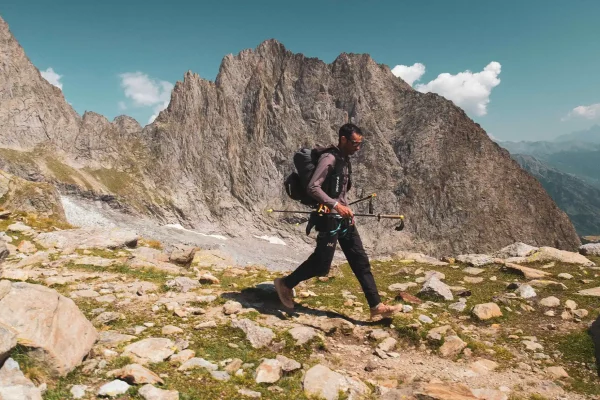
{"x":378,"y":216}
{"x":369,"y":197}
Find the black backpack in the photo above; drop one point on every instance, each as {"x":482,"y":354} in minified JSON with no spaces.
{"x":305,"y":161}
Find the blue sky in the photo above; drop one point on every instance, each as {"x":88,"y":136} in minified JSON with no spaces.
{"x":122,"y":57}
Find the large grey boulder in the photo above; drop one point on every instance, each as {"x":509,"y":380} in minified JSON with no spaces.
{"x":590,"y":249}
{"x":50,"y":324}
{"x":517,"y":249}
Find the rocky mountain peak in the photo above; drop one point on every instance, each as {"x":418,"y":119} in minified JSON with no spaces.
{"x":33,"y":111}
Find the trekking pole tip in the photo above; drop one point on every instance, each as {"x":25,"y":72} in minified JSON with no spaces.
{"x":270,"y":210}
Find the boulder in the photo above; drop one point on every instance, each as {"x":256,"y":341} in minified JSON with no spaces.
{"x":590,"y":249}
{"x":47,"y":322}
{"x":517,"y":249}
{"x":552,"y":254}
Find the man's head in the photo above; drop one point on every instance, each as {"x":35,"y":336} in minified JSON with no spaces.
{"x":350,"y":139}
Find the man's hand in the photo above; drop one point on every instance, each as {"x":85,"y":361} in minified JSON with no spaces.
{"x":344,"y":211}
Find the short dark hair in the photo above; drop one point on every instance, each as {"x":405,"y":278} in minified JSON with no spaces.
{"x":348,"y":129}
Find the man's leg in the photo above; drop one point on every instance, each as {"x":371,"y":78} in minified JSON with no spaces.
{"x":359,"y":262}
{"x":317,"y":264}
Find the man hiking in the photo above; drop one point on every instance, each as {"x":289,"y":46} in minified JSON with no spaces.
{"x":318,"y":264}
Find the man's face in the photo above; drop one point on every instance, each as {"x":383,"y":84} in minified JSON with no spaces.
{"x":353,"y":145}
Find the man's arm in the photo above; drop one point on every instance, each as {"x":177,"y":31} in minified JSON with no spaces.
{"x":324,"y":166}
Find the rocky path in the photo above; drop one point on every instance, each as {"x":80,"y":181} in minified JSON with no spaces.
{"x":139,"y":322}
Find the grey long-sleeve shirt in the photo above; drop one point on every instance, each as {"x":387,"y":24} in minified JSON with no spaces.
{"x":325,"y":165}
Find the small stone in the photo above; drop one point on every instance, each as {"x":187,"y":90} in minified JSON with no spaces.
{"x":113,"y":389}
{"x":550,"y":301}
{"x":483,"y":366}
{"x":550,"y":313}
{"x":206,"y":325}
{"x":197,"y":362}
{"x":459,"y":306}
{"x":249,"y":393}
{"x":379,"y":334}
{"x":581,"y":313}
{"x":566,"y":315}
{"x":109,"y":298}
{"x":232,"y":307}
{"x":208,"y":278}
{"x":436,"y":334}
{"x":256,"y":335}
{"x":436,"y":288}
{"x":206,"y":299}
{"x":425,"y":319}
{"x":401,"y":287}
{"x":571,"y":305}
{"x":470,"y":279}
{"x":387,"y":345}
{"x":486,"y":311}
{"x":302,"y":334}
{"x":407,"y":308}
{"x":408,"y":298}
{"x":526,"y":292}
{"x":594,"y":292}
{"x":565,"y":276}
{"x":149,"y":392}
{"x":287,"y":364}
{"x":473,"y":271}
{"x":78,"y":391}
{"x":220,"y":375}
{"x":531,"y":345}
{"x":182,"y":356}
{"x":137,"y":375}
{"x":171,"y":330}
{"x":557,"y":372}
{"x":452,"y":346}
{"x":234,"y":365}
{"x":269,"y":371}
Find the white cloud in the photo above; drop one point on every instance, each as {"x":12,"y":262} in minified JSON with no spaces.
{"x":468,"y":90}
{"x":588,"y":112}
{"x":122,"y":106}
{"x":52,"y":77}
{"x":146,"y":92}
{"x":409,"y":74}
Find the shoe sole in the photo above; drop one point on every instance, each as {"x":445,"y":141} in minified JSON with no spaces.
{"x":277,"y":283}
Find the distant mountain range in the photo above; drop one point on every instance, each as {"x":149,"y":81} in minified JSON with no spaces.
{"x":578,"y":199}
{"x":576,"y":153}
{"x":569,"y":169}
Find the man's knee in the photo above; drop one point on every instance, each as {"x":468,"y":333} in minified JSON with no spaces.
{"x":322,"y":269}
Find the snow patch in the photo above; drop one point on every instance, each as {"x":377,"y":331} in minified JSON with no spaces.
{"x":271,"y":239}
{"x":181,"y":228}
